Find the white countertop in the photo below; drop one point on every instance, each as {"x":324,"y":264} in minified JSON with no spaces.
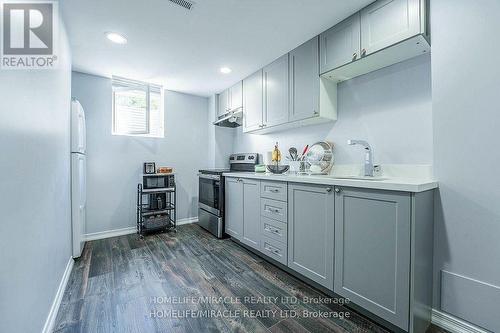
{"x":405,"y":184}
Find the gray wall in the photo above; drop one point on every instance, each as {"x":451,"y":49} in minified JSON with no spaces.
{"x":391,"y":108}
{"x":466,"y":117}
{"x":114,"y":163}
{"x":35,"y":226}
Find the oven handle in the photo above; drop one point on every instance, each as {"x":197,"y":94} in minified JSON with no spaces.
{"x":213,"y":177}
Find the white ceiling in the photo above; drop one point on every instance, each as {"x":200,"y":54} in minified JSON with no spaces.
{"x":184,"y":50}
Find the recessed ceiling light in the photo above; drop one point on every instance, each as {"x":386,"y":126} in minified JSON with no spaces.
{"x":116,"y":38}
{"x":225,"y":70}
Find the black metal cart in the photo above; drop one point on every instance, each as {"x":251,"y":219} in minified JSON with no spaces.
{"x":156,"y":207}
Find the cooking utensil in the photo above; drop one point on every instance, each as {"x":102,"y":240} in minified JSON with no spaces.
{"x":306,"y":148}
{"x":293,"y":153}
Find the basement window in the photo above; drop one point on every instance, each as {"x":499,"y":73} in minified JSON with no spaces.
{"x":137,"y":108}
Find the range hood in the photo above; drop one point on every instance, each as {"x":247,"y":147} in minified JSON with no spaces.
{"x":230,"y":119}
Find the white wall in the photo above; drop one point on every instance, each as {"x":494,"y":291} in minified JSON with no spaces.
{"x":391,"y":108}
{"x":114,"y":163}
{"x":466,"y":90}
{"x":35,"y":227}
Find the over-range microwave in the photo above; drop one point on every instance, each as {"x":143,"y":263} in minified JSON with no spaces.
{"x":155,"y":181}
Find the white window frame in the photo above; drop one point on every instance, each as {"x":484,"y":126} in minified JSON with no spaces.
{"x":123,"y":84}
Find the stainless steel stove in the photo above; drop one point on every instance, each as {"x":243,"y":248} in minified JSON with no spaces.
{"x":211,"y":192}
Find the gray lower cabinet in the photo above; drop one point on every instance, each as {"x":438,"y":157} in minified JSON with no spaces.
{"x":242,"y":202}
{"x":276,"y":92}
{"x":372,"y":251}
{"x":251,"y":219}
{"x":234,"y":207}
{"x":304,"y":81}
{"x":274,"y":249}
{"x":311,"y":232}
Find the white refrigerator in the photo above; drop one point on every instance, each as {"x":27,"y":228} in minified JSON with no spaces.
{"x":78,"y":177}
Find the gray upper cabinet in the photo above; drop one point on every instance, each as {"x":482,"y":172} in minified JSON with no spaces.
{"x":276,"y":92}
{"x":234,"y":207}
{"x":372,"y":251}
{"x":304,"y":81}
{"x":251,"y":217}
{"x":387,"y":22}
{"x":253,"y":95}
{"x":311,"y":232}
{"x":236,"y":96}
{"x":223,"y":103}
{"x":340,"y":44}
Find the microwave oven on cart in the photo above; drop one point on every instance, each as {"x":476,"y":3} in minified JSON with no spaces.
{"x":156,"y":204}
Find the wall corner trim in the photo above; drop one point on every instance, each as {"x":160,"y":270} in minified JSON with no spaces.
{"x":51,"y":317}
{"x":188,"y":220}
{"x":129,"y":230}
{"x":110,"y":233}
{"x":454,"y":324}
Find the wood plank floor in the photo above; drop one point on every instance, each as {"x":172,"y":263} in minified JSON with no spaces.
{"x":192,"y":282}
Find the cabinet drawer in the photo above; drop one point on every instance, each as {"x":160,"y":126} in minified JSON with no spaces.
{"x":273,"y":209}
{"x":273,"y":229}
{"x":274,"y":249}
{"x":274,"y":190}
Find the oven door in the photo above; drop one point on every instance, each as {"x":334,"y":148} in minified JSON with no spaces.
{"x":210,"y":193}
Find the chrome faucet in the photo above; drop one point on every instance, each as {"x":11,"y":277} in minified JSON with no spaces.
{"x":368,"y":156}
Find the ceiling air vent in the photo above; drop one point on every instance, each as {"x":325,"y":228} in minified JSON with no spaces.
{"x":184,"y":3}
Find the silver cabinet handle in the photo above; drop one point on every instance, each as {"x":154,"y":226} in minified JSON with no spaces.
{"x":337,"y":190}
{"x":328,"y":189}
{"x":315,"y":113}
{"x":274,"y":190}
{"x":363,"y":52}
{"x":354,"y":56}
{"x":272,"y":249}
{"x":271,"y":229}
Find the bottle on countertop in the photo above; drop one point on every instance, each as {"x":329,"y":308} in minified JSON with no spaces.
{"x":276,"y":158}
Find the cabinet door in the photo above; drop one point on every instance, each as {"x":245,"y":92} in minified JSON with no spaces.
{"x":223,"y":103}
{"x":372,"y":251}
{"x":276,"y":92}
{"x":340,"y":44}
{"x":387,"y":22}
{"x":236,"y":96}
{"x":234,"y":207}
{"x":252,"y":101}
{"x":310,"y":232}
{"x":251,"y":216}
{"x":304,"y":81}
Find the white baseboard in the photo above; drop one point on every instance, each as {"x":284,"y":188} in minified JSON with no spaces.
{"x":51,"y":318}
{"x":189,"y":220}
{"x":129,"y":230}
{"x":454,"y":324}
{"x":110,"y":233}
